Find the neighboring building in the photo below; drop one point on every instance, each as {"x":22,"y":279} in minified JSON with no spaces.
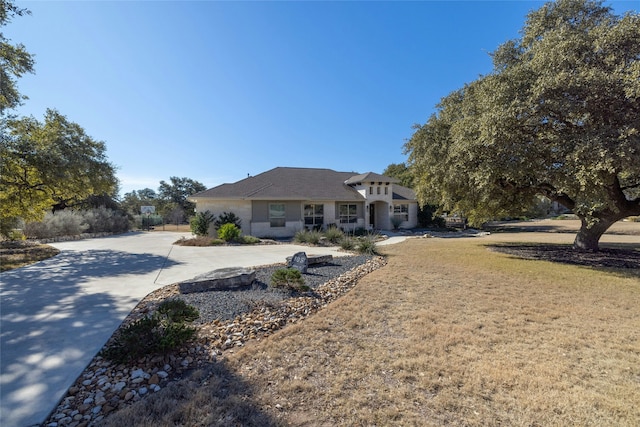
{"x":282,"y":201}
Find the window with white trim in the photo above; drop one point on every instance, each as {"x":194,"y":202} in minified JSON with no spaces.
{"x":348,"y":213}
{"x":401,"y":211}
{"x":276,"y":215}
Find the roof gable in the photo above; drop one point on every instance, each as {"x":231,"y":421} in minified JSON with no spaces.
{"x":370,"y":177}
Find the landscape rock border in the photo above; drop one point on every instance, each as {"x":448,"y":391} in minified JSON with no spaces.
{"x":105,"y":387}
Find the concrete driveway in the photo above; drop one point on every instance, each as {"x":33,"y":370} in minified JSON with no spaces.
{"x":56,"y":315}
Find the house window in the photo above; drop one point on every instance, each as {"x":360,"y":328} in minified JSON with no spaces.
{"x":276,"y":214}
{"x":401,"y":211}
{"x":348,"y":213}
{"x":370,"y":190}
{"x":386,"y":191}
{"x":313,"y":215}
{"x":378,"y":189}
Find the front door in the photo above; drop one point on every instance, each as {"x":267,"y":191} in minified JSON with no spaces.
{"x":372,"y":215}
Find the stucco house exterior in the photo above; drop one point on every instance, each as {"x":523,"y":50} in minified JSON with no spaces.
{"x":284,"y":200}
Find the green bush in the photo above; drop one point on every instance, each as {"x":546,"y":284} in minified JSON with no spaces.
{"x":289,"y":278}
{"x":174,"y":336}
{"x":135,"y":341}
{"x":104,"y":220}
{"x":60,"y":223}
{"x":200,"y":223}
{"x":228,"y":232}
{"x":227,"y":218}
{"x":334,"y":235}
{"x":367,"y":245}
{"x":305,"y":236}
{"x":396,"y":222}
{"x":347,"y":243}
{"x":157,"y":334}
{"x":7,"y":225}
{"x":176,"y":310}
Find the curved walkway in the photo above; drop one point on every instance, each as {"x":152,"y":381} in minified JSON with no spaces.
{"x":55,"y":315}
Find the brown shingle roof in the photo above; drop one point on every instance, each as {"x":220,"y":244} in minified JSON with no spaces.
{"x":285,"y":183}
{"x":370,"y":177}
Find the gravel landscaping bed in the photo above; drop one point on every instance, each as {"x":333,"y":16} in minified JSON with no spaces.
{"x":226,"y":305}
{"x":227,"y":320}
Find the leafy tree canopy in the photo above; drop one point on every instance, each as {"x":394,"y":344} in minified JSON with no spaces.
{"x":177,"y":191}
{"x":559,"y":116}
{"x":400,"y":171}
{"x":132,"y":201}
{"x":14,"y":59}
{"x":49,"y":166}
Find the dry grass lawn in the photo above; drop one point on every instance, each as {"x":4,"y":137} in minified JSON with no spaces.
{"x":18,"y":254}
{"x":447,"y":333}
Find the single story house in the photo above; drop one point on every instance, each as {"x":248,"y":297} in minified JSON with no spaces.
{"x":284,"y":200}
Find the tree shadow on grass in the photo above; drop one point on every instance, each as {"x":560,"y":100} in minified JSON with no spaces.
{"x":56,"y":314}
{"x":619,"y":256}
{"x":210,"y":396}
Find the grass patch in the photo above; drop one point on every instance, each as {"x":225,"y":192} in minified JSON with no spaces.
{"x":447,"y":333}
{"x":20,"y":253}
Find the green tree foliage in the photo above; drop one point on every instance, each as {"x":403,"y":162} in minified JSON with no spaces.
{"x":227,"y":218}
{"x":132,"y":201}
{"x":200,"y":223}
{"x":229,"y":232}
{"x":50,"y":166}
{"x":400,"y":171}
{"x":176,"y":192}
{"x":427,"y":214}
{"x":559,"y":116}
{"x":14,"y":59}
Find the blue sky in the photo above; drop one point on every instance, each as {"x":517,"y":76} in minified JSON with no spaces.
{"x":214,"y":91}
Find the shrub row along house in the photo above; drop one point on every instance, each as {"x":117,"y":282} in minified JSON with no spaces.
{"x":284,"y":200}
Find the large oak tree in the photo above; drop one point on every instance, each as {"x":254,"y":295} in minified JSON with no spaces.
{"x":559,"y":116}
{"x":51,"y":165}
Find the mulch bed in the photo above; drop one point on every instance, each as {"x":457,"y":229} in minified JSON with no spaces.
{"x":606,"y":257}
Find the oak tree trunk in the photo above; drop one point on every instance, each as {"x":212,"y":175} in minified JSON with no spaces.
{"x":588,"y":237}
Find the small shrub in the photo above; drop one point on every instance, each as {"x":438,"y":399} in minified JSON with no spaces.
{"x":227,"y":218}
{"x":367,"y":245}
{"x":176,"y":310}
{"x":289,"y":278}
{"x":160,"y":333}
{"x":200,"y":223}
{"x":311,"y":237}
{"x":61,"y":223}
{"x":136,"y":340}
{"x":104,"y":220}
{"x":334,"y":235}
{"x":229,"y":232}
{"x":248,"y":240}
{"x":8,"y":224}
{"x":300,"y":236}
{"x":16,"y":235}
{"x":396,"y":222}
{"x":174,"y":336}
{"x":347,"y":243}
